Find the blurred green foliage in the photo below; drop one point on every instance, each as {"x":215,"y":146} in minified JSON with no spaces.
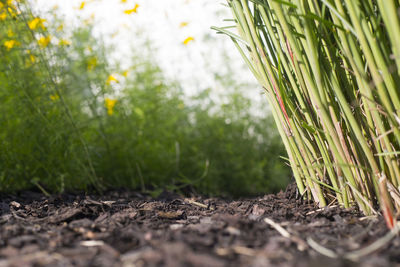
{"x":71,"y":121}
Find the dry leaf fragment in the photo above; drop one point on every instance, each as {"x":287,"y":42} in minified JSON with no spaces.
{"x":170,"y":214}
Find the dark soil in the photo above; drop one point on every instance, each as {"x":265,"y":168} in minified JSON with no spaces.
{"x":129,"y":229}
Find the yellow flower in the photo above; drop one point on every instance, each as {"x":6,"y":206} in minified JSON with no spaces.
{"x":54,"y":97}
{"x":11,"y":11}
{"x":109,"y":104}
{"x":183,"y":24}
{"x":44,"y":41}
{"x":123,"y":1}
{"x":82,"y":6}
{"x":63,"y":42}
{"x":3,"y":16}
{"x":125,"y":73}
{"x":35,"y":23}
{"x":188,"y":40}
{"x":110,"y":79}
{"x":10,"y":44}
{"x":32,"y":58}
{"x":133,"y":10}
{"x":10,"y":5}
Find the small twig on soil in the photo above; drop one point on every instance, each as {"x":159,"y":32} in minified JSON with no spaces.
{"x":356,"y":255}
{"x":371,"y":217}
{"x":92,"y":243}
{"x":201,"y":205}
{"x":301,"y":244}
{"x":320,"y":249}
{"x":277,"y":227}
{"x":321,"y":209}
{"x":16,"y":216}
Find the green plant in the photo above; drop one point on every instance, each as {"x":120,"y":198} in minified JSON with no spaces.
{"x":331,"y":74}
{"x":70,"y":120}
{"x":39,"y":137}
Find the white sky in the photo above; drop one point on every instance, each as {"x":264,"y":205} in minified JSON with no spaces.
{"x":193,"y":65}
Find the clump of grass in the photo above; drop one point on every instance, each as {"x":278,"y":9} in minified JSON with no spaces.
{"x":330,"y":70}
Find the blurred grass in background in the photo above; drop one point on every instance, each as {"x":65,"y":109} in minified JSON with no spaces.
{"x":70,"y":120}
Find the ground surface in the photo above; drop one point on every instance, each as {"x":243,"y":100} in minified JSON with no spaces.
{"x":128,"y":229}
